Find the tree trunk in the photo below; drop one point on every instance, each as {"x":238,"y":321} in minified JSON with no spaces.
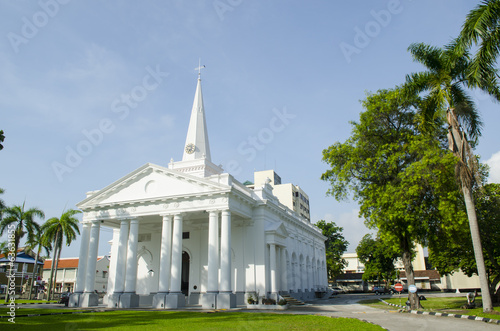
{"x":49,"y":293}
{"x":35,"y":267}
{"x":478,"y":249}
{"x":410,"y":277}
{"x":57,"y":265}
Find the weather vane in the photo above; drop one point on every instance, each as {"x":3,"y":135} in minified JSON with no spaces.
{"x":199,"y":68}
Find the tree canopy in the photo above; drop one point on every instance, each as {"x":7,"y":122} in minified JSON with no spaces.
{"x":452,"y":249}
{"x":335,"y":246}
{"x":378,"y":259}
{"x":403,"y":180}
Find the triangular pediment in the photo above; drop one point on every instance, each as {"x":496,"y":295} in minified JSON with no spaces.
{"x":151,"y":182}
{"x":277,"y":228}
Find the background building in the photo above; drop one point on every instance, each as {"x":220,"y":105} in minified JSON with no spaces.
{"x":425,"y":279}
{"x":23,"y":268}
{"x":66,"y":274}
{"x":288,"y":194}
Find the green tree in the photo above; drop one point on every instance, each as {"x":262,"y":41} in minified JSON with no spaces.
{"x":401,"y":178}
{"x":444,"y":85}
{"x":453,"y":248}
{"x":56,"y":230}
{"x":21,"y":221}
{"x":335,"y":246}
{"x":378,"y":259}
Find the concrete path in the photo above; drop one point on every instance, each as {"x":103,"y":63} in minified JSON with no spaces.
{"x":347,"y":306}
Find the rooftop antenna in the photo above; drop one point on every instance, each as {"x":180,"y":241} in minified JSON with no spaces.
{"x":199,"y":68}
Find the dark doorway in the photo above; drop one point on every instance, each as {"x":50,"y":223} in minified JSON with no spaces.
{"x":185,"y":273}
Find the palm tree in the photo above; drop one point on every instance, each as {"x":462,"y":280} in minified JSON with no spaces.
{"x":481,"y":28}
{"x":445,"y":83}
{"x":56,"y":230}
{"x":38,"y":242}
{"x":2,"y":204}
{"x":4,"y":248}
{"x":23,"y":222}
{"x":2,"y":138}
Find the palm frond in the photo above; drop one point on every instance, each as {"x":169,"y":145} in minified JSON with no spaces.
{"x":479,"y":22}
{"x":429,"y":56}
{"x":466,"y":112}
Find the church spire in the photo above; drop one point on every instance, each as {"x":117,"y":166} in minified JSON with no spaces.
{"x":196,"y":159}
{"x":197,"y":146}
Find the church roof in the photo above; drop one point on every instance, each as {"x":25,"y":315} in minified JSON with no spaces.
{"x":151,"y":182}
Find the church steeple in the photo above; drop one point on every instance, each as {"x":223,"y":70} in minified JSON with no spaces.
{"x":197,"y":146}
{"x":196,"y":159}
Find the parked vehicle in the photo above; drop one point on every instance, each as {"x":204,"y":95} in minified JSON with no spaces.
{"x":336,"y":290}
{"x":64,"y":298}
{"x":379,"y":290}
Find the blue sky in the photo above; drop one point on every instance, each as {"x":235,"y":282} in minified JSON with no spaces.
{"x":114,"y":81}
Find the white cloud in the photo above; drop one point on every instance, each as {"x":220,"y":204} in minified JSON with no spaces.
{"x":494,"y":163}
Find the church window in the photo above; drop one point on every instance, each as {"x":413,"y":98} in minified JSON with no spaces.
{"x":144,"y":237}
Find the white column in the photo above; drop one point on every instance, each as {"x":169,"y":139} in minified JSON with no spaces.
{"x":121,"y":257}
{"x":82,"y":264}
{"x":213,"y":252}
{"x":92,"y":256}
{"x":278,"y":268}
{"x":165,"y":254}
{"x":272,"y":261}
{"x":225,"y":252}
{"x":176,"y":269}
{"x":284,"y":271}
{"x":131,"y":268}
{"x":110,"y":288}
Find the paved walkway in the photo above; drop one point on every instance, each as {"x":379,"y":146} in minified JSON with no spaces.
{"x":347,"y":306}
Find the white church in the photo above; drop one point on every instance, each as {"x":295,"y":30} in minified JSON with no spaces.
{"x":191,"y":234}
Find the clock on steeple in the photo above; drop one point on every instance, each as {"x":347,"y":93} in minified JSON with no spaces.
{"x":190,"y":148}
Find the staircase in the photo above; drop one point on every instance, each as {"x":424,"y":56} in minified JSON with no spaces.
{"x":292,"y":301}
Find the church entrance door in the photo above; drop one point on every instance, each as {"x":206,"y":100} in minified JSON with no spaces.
{"x":185,"y":273}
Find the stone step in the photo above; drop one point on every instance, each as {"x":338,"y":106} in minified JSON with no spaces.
{"x":292,"y":301}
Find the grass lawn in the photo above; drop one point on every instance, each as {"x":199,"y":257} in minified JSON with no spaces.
{"x":156,"y":320}
{"x":445,"y":305}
